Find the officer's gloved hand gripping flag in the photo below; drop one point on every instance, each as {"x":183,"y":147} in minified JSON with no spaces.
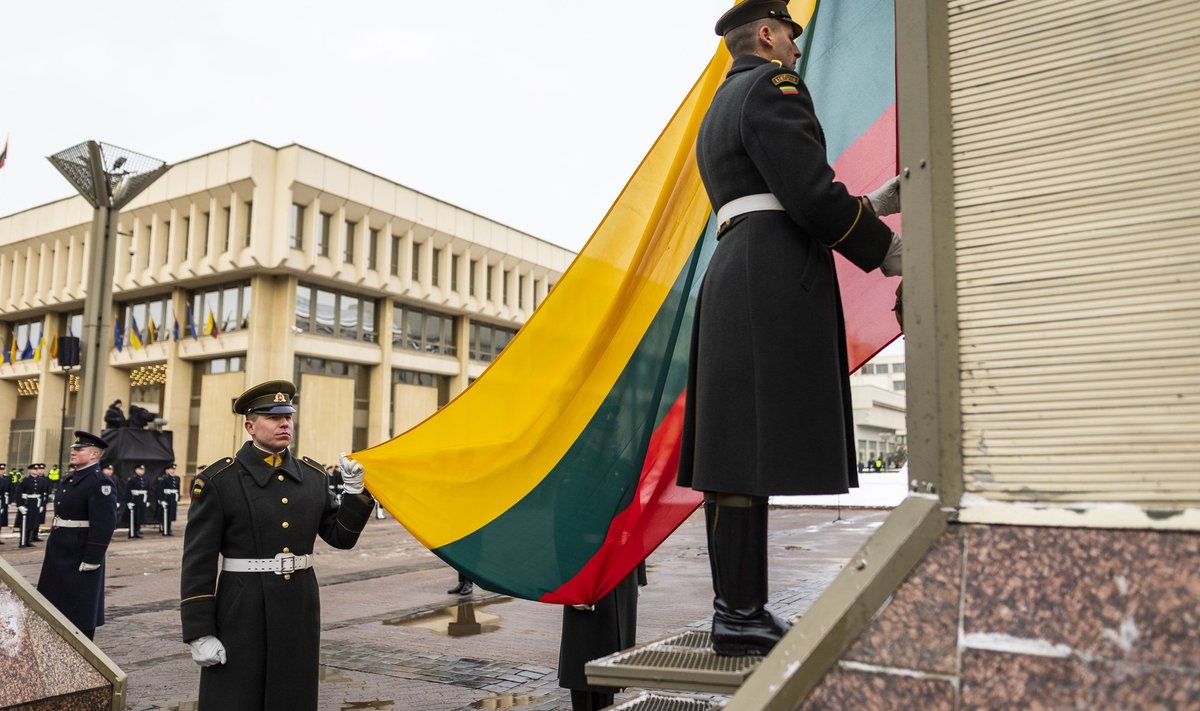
{"x":553,"y":475}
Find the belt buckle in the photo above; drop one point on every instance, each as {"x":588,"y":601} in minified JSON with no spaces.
{"x":287,"y":563}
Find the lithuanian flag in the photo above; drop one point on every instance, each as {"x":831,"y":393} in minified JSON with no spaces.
{"x":553,"y":475}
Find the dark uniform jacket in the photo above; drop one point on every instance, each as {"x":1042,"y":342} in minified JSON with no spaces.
{"x":85,"y":495}
{"x":138,"y":483}
{"x":26,"y":494}
{"x":768,"y":407}
{"x":163,"y":487}
{"x":243,"y":507}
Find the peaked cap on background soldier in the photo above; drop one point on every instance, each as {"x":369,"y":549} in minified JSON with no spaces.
{"x":87,"y":439}
{"x":752,"y":10}
{"x":273,"y":397}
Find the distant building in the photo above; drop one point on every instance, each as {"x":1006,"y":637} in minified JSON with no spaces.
{"x":381,"y":303}
{"x":877,"y":393}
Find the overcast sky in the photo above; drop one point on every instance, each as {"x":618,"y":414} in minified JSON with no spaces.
{"x":531,"y":112}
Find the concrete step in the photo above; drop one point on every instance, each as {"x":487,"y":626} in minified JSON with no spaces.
{"x":683,"y":662}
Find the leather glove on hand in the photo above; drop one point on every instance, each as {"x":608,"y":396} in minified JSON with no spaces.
{"x":88,"y":567}
{"x":885,"y":199}
{"x":22,"y":510}
{"x":352,"y":475}
{"x":207,"y":651}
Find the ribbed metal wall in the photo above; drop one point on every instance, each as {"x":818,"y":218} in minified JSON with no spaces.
{"x":1076,"y":130}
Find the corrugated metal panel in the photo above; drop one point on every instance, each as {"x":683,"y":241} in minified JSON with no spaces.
{"x":1077,"y":176}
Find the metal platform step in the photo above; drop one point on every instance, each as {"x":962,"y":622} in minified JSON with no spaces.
{"x":684,"y":662}
{"x":666,"y":702}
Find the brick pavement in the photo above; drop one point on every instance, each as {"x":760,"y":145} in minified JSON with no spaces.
{"x":382,"y":646}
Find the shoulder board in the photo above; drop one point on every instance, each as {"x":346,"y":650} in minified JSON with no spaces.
{"x":216,"y":468}
{"x":315,"y":465}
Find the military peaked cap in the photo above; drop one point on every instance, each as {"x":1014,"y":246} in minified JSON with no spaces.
{"x":273,"y":397}
{"x":752,"y":10}
{"x":87,"y":439}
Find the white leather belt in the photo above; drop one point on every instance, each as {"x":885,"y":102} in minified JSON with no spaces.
{"x":31,"y":496}
{"x":170,"y":491}
{"x":139,"y":492}
{"x":749,"y":203}
{"x":280,"y":564}
{"x":67,"y":523}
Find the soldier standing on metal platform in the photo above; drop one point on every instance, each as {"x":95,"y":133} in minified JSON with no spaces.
{"x":256,"y":627}
{"x":72,"y":576}
{"x":768,"y":408}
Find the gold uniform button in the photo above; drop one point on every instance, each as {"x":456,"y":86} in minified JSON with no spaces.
{"x":280,"y":477}
{"x":287,"y":576}
{"x":285,"y":524}
{"x":287,"y":550}
{"x":284,"y":499}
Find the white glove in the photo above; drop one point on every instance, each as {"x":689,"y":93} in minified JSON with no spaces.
{"x":23,"y":510}
{"x":352,"y":475}
{"x":130,"y":505}
{"x":88,"y":567}
{"x":885,"y":199}
{"x":891,"y":262}
{"x":207,"y":651}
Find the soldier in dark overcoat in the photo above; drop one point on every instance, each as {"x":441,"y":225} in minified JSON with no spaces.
{"x":85,"y":514}
{"x":590,"y":632}
{"x":768,"y":409}
{"x":28,"y":500}
{"x":137,"y":499}
{"x":41,"y":485}
{"x":5,"y":484}
{"x":167,"y":492}
{"x":255,"y":627}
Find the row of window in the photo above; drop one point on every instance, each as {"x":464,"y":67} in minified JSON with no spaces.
{"x":324,"y":229}
{"x":882,"y":368}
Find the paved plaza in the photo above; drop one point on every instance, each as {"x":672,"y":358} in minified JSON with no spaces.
{"x":386,"y":617}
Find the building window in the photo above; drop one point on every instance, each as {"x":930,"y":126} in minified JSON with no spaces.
{"x":472,"y":268}
{"x":372,"y":247}
{"x":867,"y":369}
{"x":416,"y":261}
{"x":25,"y":339}
{"x":504,"y":288}
{"x":228,"y":304}
{"x":296,"y":230}
{"x":454,"y":272}
{"x":396,"y":244}
{"x":228,"y":229}
{"x":362,"y":391}
{"x":487,"y":341}
{"x":421,"y":330}
{"x":348,"y":242}
{"x":204,"y":235}
{"x":425,"y":380}
{"x":898,"y":386}
{"x":897,"y":367}
{"x":487,"y":270}
{"x":72,"y":324}
{"x":186,"y":236}
{"x":333,"y":313}
{"x":150,"y":320}
{"x":437,"y":266}
{"x":521,"y":291}
{"x":323,"y":234}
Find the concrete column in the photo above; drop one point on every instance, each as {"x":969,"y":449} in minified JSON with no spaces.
{"x":8,"y":410}
{"x":462,"y":329}
{"x":271,"y":335}
{"x":379,"y":419}
{"x":177,"y":393}
{"x":48,"y":415}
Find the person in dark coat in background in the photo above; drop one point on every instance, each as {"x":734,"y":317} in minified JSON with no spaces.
{"x":5,"y":485}
{"x":166,"y":491}
{"x":255,"y":629}
{"x":85,"y":514}
{"x":768,"y":409}
{"x":114,"y":417}
{"x":28,"y":499}
{"x":41,"y":485}
{"x":589,"y":633}
{"x":138,"y":498}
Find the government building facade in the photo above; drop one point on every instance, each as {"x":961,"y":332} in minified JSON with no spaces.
{"x":254,"y":263}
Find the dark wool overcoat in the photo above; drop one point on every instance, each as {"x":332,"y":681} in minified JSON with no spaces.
{"x":270,"y":624}
{"x":591,"y":634}
{"x":768,"y":405}
{"x":84,"y":495}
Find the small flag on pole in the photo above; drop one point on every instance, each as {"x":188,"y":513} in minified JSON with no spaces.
{"x":135,"y":335}
{"x":118,"y":336}
{"x":175,"y":328}
{"x":210,"y":326}
{"x":191,"y":324}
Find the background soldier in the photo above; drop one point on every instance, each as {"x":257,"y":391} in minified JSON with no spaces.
{"x":42,"y":486}
{"x":167,"y":489}
{"x":72,"y":576}
{"x":256,"y":629}
{"x":769,"y":307}
{"x":27,"y":510}
{"x":5,"y":485}
{"x":137,"y":500}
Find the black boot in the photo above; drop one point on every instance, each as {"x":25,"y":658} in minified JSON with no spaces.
{"x":458,"y":589}
{"x":467,"y":588}
{"x":737,"y":552}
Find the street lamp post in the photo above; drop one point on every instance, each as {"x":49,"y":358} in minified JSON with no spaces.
{"x":107,"y":177}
